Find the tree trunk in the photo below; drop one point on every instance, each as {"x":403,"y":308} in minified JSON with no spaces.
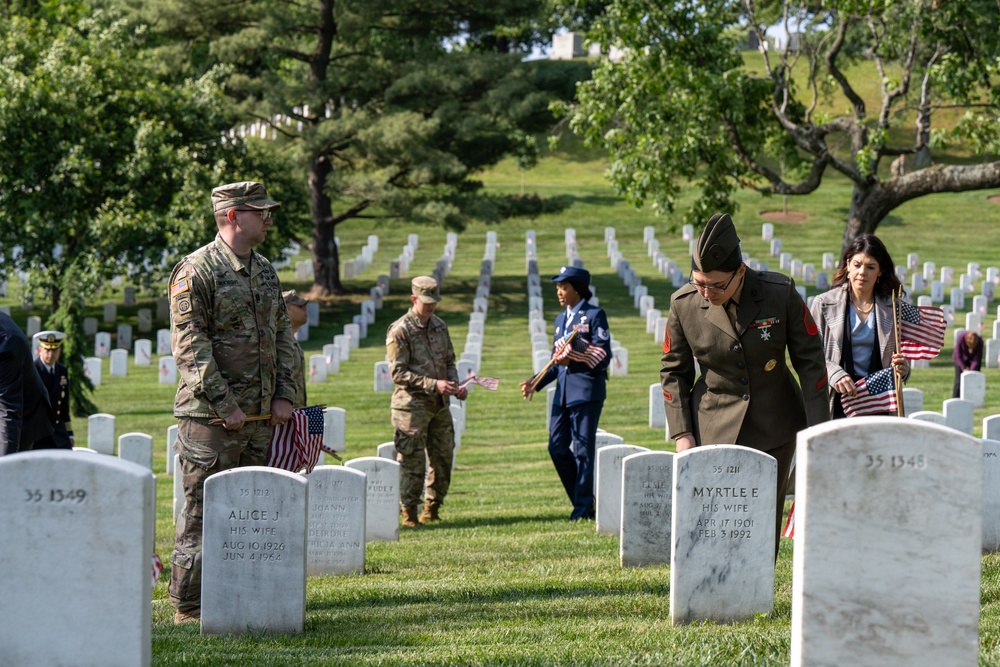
{"x":326,"y":260}
{"x":873,"y":200}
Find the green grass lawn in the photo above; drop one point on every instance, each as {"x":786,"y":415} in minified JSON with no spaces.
{"x":505,"y":578}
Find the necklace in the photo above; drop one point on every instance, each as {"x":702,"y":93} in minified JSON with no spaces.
{"x":860,"y":310}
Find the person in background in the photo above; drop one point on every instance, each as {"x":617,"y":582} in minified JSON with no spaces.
{"x":25,"y":415}
{"x":968,"y":356}
{"x":422,"y":364}
{"x":232,"y":340}
{"x":296,"y":306}
{"x":856,"y":321}
{"x":55,"y":377}
{"x":740,"y":325}
{"x":581,"y":371}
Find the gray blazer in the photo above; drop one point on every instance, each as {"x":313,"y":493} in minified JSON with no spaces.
{"x":829,"y":309}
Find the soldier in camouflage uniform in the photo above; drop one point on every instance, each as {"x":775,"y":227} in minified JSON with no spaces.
{"x":296,"y":306}
{"x":422,"y":363}
{"x":232,"y":341}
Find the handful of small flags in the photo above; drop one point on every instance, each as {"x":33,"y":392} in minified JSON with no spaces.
{"x":486,"y":383}
{"x":580,"y":350}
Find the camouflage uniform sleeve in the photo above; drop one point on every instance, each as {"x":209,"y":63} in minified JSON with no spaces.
{"x":191,"y":307}
{"x":287,"y":352}
{"x":397,"y":348}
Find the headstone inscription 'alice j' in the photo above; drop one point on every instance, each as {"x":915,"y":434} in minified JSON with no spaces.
{"x":254,"y":552}
{"x":74,"y":554}
{"x":722,"y":562}
{"x":881,"y":575}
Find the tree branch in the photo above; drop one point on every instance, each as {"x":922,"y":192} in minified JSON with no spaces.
{"x":831,"y":65}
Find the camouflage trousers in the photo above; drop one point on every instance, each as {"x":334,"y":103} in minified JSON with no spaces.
{"x":425,"y":441}
{"x":205,"y":450}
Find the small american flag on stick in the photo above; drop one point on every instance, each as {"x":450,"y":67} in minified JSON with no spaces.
{"x":921,"y":331}
{"x":295,"y":445}
{"x":876,"y":395}
{"x":486,"y":383}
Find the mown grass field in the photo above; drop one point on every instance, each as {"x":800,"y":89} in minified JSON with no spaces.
{"x":505,"y":579}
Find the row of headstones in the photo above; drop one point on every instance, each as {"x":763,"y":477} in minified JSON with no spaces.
{"x":333,"y":354}
{"x":443,"y":266}
{"x":861,"y":515}
{"x":264,"y":531}
{"x":401,"y":265}
{"x":132,"y":447}
{"x":305,"y":271}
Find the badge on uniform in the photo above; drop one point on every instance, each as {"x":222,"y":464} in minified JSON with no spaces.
{"x":582,"y":327}
{"x":770,"y":365}
{"x":184,"y":305}
{"x":602,"y":334}
{"x":764,"y":325}
{"x":179,"y":287}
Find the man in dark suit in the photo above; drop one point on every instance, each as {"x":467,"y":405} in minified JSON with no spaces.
{"x":24,"y":406}
{"x":581,"y":370}
{"x":56,"y":380}
{"x":738,"y":324}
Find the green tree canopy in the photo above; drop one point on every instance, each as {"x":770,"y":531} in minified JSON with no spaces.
{"x":390,"y":107}
{"x":683,"y":106}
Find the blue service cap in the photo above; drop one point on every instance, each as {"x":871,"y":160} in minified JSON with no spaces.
{"x":572,"y":274}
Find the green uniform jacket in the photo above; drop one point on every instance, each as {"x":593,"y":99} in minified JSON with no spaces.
{"x":746,"y":394}
{"x":230,"y":334}
{"x":419,"y":355}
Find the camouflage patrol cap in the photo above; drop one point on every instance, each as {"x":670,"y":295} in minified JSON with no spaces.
{"x":426,"y":289}
{"x":50,"y":340}
{"x":718,"y":247}
{"x":245,"y":193}
{"x":292,"y":298}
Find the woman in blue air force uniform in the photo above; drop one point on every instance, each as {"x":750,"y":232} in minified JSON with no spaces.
{"x":581,"y":371}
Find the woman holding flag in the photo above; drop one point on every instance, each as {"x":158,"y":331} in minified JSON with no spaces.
{"x":580,"y":357}
{"x":856,"y":321}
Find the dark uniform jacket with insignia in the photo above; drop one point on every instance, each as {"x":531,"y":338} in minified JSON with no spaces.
{"x":578,"y":383}
{"x":230,"y":334}
{"x":746,"y":394}
{"x":57,"y":385}
{"x":419,"y":355}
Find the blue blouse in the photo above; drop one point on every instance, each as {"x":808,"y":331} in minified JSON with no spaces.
{"x":862,"y":340}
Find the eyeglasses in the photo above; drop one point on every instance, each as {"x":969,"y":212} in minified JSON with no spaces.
{"x":264,"y":214}
{"x":712,"y":289}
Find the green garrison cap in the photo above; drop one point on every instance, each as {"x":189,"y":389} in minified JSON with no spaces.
{"x":718,"y":247}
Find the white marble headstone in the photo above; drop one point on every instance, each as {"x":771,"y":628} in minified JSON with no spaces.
{"x":335,"y":542}
{"x":168,"y":370}
{"x":110,"y":313}
{"x":254,"y":552}
{"x":991,"y":494}
{"x":723,"y":527}
{"x":647,"y":483}
{"x":881,"y":576}
{"x":608,"y":479}
{"x":382,"y":497}
{"x":383,"y":380}
{"x":137,"y":448}
{"x":163,"y":342}
{"x":973,"y":388}
{"x":143,"y":352}
{"x":387,"y":450}
{"x":92,"y":368}
{"x":335,"y":429}
{"x":171,"y":439}
{"x":619,"y":364}
{"x":124,"y":339}
{"x":102,"y":344}
{"x":343,"y":343}
{"x":101,"y":433}
{"x":958,"y":414}
{"x":332,"y":354}
{"x":119,"y":363}
{"x":317,"y":368}
{"x":80,"y":560}
{"x":657,"y":412}
{"x":913,"y":400}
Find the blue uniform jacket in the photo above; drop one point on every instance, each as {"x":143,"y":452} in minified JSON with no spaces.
{"x":579,"y":383}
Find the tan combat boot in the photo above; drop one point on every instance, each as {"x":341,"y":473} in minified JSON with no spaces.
{"x":192,"y":616}
{"x":430,"y":512}
{"x":410,"y":519}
